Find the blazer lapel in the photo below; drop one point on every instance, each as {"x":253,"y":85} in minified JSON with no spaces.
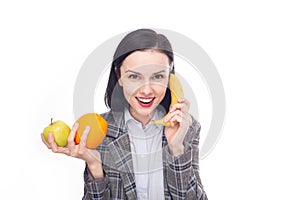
{"x":165,"y":164}
{"x":120,"y":152}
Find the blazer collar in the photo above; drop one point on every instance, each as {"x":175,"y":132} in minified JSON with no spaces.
{"x":116,"y":124}
{"x":120,"y":151}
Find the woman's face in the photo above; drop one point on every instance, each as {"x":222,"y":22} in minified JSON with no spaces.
{"x":144,"y":78}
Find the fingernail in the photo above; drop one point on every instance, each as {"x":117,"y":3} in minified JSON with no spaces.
{"x":76,"y":125}
{"x":181,"y":100}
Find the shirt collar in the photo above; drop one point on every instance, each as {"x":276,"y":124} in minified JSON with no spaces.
{"x":158,"y":114}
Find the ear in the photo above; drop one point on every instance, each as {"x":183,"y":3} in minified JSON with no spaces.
{"x":120,"y":82}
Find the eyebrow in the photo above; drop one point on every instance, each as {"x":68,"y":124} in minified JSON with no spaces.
{"x":159,"y":72}
{"x":141,"y":74}
{"x":132,"y":72}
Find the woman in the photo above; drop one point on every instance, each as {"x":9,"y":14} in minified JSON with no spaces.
{"x":138,"y":159}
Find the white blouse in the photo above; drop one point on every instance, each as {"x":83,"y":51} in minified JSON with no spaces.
{"x":146,"y":149}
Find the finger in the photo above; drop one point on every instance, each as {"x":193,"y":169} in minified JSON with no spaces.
{"x":84,"y":136}
{"x":55,"y":148}
{"x":185,"y":120}
{"x":179,"y":106}
{"x":52,"y":143}
{"x":44,"y":141}
{"x":172,"y":114}
{"x":176,"y":118}
{"x":181,"y":100}
{"x":172,"y":123}
{"x":176,"y":106}
{"x":71,"y":137}
{"x":184,"y":101}
{"x":82,"y":149}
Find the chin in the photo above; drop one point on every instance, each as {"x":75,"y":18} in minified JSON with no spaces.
{"x":142,"y":111}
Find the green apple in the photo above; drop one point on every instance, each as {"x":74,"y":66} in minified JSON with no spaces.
{"x":60,"y":131}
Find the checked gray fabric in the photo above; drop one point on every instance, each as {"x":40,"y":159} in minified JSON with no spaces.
{"x":181,"y":174}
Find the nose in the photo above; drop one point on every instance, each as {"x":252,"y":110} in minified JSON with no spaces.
{"x":146,"y":89}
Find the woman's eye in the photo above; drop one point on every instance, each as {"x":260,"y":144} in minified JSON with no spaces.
{"x":133,"y":76}
{"x":158,"y":76}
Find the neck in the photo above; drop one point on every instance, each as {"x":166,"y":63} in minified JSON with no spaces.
{"x":143,"y":119}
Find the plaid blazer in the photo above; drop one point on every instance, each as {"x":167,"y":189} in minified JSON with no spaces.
{"x":181,"y":174}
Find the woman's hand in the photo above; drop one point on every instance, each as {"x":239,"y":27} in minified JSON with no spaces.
{"x":90,"y":156}
{"x":176,"y":132}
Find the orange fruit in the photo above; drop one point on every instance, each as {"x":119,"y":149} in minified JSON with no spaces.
{"x":98,"y":127}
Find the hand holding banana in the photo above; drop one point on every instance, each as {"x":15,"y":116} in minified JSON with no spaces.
{"x":176,"y":95}
{"x":178,"y":119}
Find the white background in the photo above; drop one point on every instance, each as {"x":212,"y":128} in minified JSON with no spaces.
{"x":254,"y":45}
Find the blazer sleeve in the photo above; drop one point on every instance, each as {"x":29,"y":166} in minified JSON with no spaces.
{"x":95,"y":189}
{"x":182,"y":172}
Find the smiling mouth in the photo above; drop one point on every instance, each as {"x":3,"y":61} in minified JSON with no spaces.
{"x":145,"y":100}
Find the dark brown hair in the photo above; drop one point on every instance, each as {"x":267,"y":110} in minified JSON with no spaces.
{"x":141,"y":39}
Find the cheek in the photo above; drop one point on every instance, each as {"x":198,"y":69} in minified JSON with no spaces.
{"x":129,"y":90}
{"x":160,"y":91}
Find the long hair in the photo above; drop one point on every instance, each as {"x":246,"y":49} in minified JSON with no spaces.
{"x":141,"y":39}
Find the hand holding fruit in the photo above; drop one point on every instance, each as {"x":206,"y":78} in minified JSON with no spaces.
{"x":90,"y":156}
{"x":87,"y":133}
{"x":176,"y":95}
{"x":60,"y":132}
{"x":71,"y":149}
{"x":178,"y":119}
{"x":97,"y":132}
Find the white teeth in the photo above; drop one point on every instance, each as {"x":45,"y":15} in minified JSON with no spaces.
{"x":145,"y":100}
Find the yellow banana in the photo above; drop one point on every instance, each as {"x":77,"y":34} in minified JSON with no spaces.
{"x":176,"y":93}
